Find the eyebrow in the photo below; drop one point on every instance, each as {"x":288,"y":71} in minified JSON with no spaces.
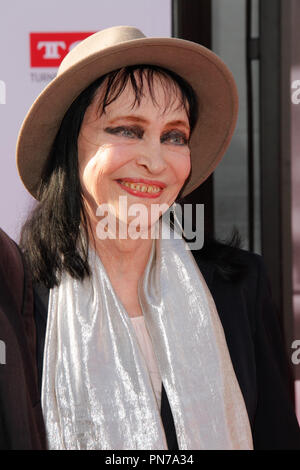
{"x":142,"y":120}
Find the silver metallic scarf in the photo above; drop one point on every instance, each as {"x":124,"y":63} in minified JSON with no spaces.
{"x":96,"y":389}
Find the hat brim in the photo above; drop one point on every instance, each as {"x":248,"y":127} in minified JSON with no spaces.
{"x":210,"y":78}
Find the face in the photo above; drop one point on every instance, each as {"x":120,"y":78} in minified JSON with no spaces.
{"x":138,"y":152}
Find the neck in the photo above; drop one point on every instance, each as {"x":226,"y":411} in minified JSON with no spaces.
{"x":123,"y":259}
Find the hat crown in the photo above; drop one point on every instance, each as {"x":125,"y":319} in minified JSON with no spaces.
{"x":97,"y":42}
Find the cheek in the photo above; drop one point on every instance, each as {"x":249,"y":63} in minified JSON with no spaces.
{"x":182,"y":167}
{"x":98,"y":167}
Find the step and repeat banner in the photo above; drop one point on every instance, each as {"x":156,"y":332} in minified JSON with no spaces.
{"x":34,"y":38}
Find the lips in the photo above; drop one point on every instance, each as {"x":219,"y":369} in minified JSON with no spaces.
{"x":142,"y":187}
{"x":144,"y":181}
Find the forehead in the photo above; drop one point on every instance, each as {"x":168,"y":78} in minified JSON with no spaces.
{"x":162,"y":94}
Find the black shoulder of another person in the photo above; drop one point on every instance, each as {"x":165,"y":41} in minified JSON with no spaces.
{"x":11,"y":269}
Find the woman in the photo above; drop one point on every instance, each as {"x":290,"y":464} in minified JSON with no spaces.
{"x":142,"y":345}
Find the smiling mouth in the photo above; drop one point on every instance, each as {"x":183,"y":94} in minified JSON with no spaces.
{"x":140,"y":188}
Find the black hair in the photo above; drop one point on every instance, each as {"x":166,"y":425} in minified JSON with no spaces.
{"x":50,"y":238}
{"x":226,"y":256}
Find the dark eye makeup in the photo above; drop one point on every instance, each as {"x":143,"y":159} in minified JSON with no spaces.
{"x":173,"y":137}
{"x":126,"y":131}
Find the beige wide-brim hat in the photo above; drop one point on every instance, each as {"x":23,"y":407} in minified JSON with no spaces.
{"x":121,"y":46}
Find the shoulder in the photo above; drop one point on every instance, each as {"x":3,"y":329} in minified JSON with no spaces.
{"x":10,"y":254}
{"x":11,"y":271}
{"x":229,"y":263}
{"x":239,"y":284}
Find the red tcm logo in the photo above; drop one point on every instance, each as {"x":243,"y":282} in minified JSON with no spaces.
{"x":49,"y":49}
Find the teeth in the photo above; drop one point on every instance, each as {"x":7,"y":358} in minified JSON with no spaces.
{"x":141,"y":187}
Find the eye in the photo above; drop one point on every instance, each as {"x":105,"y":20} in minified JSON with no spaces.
{"x":175,"y":138}
{"x":130,"y":132}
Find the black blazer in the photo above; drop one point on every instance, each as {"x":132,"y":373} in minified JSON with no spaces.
{"x":255,"y":345}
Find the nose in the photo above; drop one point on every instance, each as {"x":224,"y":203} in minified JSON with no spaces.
{"x":151,"y":156}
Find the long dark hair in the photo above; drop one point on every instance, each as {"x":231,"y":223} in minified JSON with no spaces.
{"x":50,"y":238}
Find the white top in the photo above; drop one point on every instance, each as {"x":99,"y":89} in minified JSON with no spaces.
{"x":148,"y":354}
{"x":147,"y":350}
